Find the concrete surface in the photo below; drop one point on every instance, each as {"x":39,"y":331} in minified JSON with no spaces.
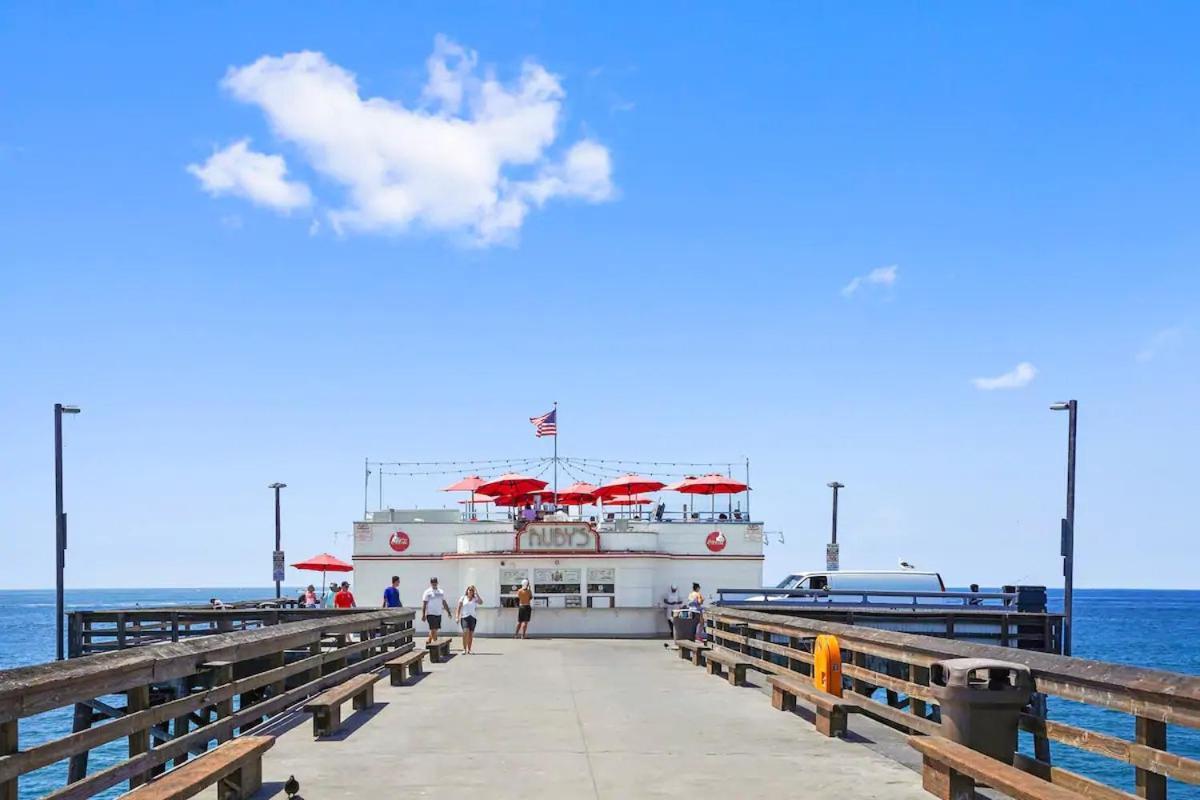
{"x":562,"y":718}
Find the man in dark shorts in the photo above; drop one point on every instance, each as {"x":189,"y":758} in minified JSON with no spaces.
{"x":524,"y":610}
{"x":433,"y":600}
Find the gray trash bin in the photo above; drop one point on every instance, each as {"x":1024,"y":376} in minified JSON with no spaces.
{"x":685,"y":624}
{"x":981,"y":701}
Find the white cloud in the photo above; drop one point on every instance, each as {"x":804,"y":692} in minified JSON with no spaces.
{"x":880,"y":276}
{"x":1161,"y":340}
{"x":472,"y":158}
{"x":1019,"y":377}
{"x":258,"y":177}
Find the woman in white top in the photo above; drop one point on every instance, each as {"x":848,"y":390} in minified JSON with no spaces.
{"x":465,"y":614}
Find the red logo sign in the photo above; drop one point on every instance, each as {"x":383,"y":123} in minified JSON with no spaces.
{"x":399,"y":541}
{"x":715,"y":541}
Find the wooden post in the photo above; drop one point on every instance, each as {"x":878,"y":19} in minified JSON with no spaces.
{"x":1041,"y":744}
{"x":8,"y":745}
{"x":174,"y":626}
{"x":1151,"y":733}
{"x":221,"y":673}
{"x":120,"y":631}
{"x":181,"y":729}
{"x":919,"y":676}
{"x":138,"y":699}
{"x":77,"y":768}
{"x":860,"y":660}
{"x":314,"y":649}
{"x":274,"y":661}
{"x":74,"y":635}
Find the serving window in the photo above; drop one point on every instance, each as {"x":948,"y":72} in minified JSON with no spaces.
{"x":510,"y":581}
{"x":560,"y":588}
{"x":601,"y":587}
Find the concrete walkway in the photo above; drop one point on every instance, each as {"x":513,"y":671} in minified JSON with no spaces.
{"x":575,"y":719}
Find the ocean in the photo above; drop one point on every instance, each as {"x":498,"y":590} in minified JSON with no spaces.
{"x":1159,"y":629}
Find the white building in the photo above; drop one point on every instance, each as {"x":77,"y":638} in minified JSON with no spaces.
{"x":588,"y":579}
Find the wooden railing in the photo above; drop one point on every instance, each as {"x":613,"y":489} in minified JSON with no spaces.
{"x":91,"y":632}
{"x":181,"y":697}
{"x":898,"y":663}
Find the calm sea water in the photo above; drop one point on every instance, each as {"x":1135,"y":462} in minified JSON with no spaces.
{"x":1159,"y":629}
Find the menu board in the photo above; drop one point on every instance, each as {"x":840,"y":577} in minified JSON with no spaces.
{"x":601,"y":580}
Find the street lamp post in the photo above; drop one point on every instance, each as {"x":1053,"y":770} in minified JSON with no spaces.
{"x":60,"y":526}
{"x":278,"y":544}
{"x":832,"y":557}
{"x":1068,"y":525}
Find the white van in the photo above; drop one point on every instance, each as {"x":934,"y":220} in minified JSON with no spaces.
{"x":886,"y":580}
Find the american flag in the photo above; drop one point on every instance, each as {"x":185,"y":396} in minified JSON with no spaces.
{"x":547,"y":424}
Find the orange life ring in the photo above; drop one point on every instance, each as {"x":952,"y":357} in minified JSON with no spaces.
{"x":827,"y":665}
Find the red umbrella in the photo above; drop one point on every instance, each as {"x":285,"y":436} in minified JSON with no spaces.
{"x":324,"y":563}
{"x":471,"y":483}
{"x":711,"y":485}
{"x":510,"y":484}
{"x":628,"y":485}
{"x":640,"y":500}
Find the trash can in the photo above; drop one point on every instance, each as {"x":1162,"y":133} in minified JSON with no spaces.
{"x":981,"y":701}
{"x":684,"y":624}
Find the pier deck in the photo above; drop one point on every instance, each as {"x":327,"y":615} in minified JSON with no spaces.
{"x":575,"y":718}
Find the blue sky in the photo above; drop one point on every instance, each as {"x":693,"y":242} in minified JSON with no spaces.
{"x":1028,"y":171}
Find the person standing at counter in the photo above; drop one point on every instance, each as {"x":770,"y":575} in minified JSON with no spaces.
{"x":430,"y":600}
{"x":524,"y":610}
{"x":465,"y":615}
{"x":671,"y":601}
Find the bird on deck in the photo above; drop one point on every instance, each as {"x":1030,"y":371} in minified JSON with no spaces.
{"x":291,"y":786}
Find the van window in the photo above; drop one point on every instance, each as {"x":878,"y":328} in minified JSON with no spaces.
{"x":817,"y":582}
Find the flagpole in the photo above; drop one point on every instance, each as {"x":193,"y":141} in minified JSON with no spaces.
{"x":556,"y":456}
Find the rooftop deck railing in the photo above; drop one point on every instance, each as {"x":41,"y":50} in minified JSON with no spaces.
{"x":181,"y":697}
{"x":899,"y":664}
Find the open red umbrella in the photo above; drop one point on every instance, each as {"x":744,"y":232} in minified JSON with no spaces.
{"x":640,"y":500}
{"x":711,"y":485}
{"x":627,"y":485}
{"x":471,"y":483}
{"x":324,"y":563}
{"x":510,"y":484}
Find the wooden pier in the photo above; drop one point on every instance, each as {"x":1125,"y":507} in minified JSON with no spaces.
{"x":576,"y":718}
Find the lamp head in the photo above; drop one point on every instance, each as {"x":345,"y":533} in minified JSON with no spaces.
{"x":69,"y":409}
{"x":836,"y":485}
{"x":1060,"y":407}
{"x":277,"y":486}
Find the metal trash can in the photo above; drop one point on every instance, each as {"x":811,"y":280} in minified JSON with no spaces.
{"x":684,"y":624}
{"x":981,"y":701}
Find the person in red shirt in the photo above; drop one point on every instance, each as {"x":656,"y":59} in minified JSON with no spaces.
{"x":344,"y":599}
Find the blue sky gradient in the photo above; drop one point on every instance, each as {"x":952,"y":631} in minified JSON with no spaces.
{"x":1030,"y":171}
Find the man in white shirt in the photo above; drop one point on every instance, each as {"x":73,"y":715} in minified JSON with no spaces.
{"x":433,"y":600}
{"x":671,"y":601}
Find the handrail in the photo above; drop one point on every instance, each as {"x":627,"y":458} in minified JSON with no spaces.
{"x":194,"y":683}
{"x":899,"y":663}
{"x":1006,"y":598}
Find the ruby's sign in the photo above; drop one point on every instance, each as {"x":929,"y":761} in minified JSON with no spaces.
{"x":715,"y":541}
{"x":558,"y":537}
{"x":399,"y":541}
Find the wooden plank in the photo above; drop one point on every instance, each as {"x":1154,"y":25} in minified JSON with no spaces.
{"x":9,"y":743}
{"x":1139,"y":755}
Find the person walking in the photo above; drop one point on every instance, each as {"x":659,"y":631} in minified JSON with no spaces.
{"x":327,"y":598}
{"x":524,"y":610}
{"x":696,"y":604}
{"x":344,"y":598}
{"x":391,"y":595}
{"x":433,"y":600}
{"x":465,"y":615}
{"x":310,"y":597}
{"x":671,"y":601}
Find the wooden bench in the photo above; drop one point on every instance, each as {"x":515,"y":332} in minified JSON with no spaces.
{"x":410,"y":662}
{"x":831,"y":711}
{"x":950,"y":771}
{"x":236,"y":766}
{"x":693,"y":650}
{"x":439,"y":650}
{"x":326,"y":707}
{"x":732,"y":664}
